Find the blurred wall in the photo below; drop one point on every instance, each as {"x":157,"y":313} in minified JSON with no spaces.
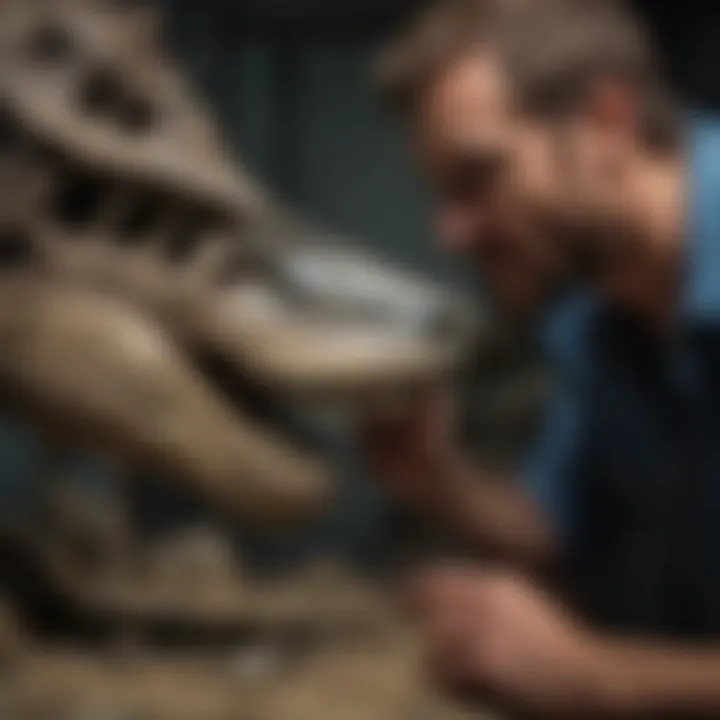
{"x":298,"y":108}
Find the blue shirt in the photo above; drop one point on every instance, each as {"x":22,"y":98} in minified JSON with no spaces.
{"x":628,"y":463}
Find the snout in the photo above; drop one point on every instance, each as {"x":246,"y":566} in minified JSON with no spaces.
{"x":334,"y":321}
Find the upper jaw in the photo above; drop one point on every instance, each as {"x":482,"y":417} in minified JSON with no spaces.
{"x":335,"y":321}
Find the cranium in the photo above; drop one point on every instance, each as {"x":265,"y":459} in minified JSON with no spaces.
{"x":134,"y":257}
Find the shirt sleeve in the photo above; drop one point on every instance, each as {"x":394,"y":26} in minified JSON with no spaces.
{"x":554,"y":470}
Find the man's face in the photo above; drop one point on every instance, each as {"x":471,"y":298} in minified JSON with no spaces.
{"x":521,"y":197}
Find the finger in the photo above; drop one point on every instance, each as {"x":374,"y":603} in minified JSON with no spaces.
{"x":420,"y":589}
{"x":433,"y":589}
{"x":452,"y":656}
{"x":386,"y":437}
{"x":431,"y":407}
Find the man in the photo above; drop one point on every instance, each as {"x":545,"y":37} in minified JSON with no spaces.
{"x":564,"y":169}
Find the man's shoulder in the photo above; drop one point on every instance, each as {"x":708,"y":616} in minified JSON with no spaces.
{"x":703,"y":125}
{"x":700,"y":296}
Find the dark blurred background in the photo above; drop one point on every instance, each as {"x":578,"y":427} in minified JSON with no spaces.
{"x":288,"y":80}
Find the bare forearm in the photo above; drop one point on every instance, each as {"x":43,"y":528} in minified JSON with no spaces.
{"x":650,"y":681}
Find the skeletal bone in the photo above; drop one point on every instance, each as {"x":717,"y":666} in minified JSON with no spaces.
{"x":294,"y":666}
{"x":322,"y":642}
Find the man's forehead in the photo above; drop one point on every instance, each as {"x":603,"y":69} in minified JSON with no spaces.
{"x":468,"y":101}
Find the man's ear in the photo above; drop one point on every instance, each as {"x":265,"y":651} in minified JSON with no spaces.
{"x":613,"y":107}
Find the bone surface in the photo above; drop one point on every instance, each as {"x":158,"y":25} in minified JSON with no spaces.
{"x":322,"y":642}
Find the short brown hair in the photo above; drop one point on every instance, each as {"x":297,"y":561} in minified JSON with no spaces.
{"x":553,"y":50}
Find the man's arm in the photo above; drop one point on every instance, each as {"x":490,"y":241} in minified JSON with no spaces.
{"x":491,"y":513}
{"x":496,"y":635}
{"x":649,"y":680}
{"x":419,"y":461}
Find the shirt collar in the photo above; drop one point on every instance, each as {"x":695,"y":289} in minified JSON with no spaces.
{"x":700,"y":296}
{"x":564,"y":323}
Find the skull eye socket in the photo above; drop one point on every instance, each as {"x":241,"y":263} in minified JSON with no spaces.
{"x":101,"y":92}
{"x":103,"y":95}
{"x":51,"y":44}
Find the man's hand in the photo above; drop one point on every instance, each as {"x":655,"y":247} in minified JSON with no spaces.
{"x":496,"y":635}
{"x":414,"y":455}
{"x":420,"y":462}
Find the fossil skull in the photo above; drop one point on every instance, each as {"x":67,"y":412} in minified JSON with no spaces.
{"x":142,"y":274}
